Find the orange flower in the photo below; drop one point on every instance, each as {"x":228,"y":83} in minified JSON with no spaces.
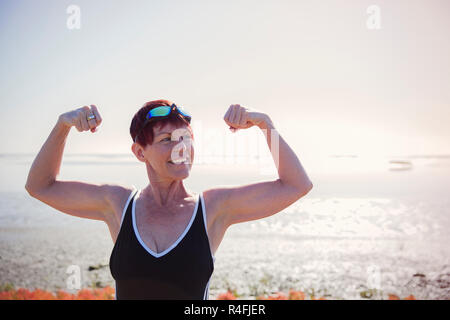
{"x":393,"y":297}
{"x":22,"y":294}
{"x":226,"y":296}
{"x":84,"y":294}
{"x":277,"y":296}
{"x":106,"y":293}
{"x":410,"y":297}
{"x":4,"y":295}
{"x":62,"y":295}
{"x":321,"y":298}
{"x":39,"y":294}
{"x":296,"y":295}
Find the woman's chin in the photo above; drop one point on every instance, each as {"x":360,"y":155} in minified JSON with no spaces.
{"x":181,"y":170}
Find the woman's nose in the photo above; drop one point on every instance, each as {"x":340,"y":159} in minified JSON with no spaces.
{"x":179,"y":151}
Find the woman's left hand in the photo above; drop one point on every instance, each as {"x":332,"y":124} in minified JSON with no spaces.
{"x":238,"y":117}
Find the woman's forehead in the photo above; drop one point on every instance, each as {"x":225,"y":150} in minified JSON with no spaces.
{"x":169,"y":128}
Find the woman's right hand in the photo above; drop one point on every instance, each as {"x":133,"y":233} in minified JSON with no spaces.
{"x":78,"y":118}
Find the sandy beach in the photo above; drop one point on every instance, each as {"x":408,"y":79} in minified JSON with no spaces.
{"x":352,"y":240}
{"x":255,"y":258}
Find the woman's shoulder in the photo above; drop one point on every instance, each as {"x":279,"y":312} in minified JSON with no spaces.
{"x":212,"y":199}
{"x":215,"y":194}
{"x":119,"y":195}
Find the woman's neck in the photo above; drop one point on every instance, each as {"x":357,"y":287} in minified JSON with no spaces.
{"x":166,"y":193}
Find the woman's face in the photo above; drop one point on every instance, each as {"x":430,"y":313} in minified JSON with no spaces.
{"x":171,"y":154}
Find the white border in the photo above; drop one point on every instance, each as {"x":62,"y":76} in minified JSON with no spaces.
{"x":158,"y":255}
{"x":206,"y":292}
{"x":126,"y":206}
{"x":120,"y":227}
{"x":206,"y":228}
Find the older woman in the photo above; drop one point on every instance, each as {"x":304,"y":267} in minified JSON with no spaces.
{"x":165,"y":236}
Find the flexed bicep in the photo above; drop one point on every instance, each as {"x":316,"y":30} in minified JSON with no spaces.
{"x":255,"y":201}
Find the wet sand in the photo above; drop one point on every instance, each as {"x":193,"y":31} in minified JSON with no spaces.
{"x":249,"y":265}
{"x":347,"y":239}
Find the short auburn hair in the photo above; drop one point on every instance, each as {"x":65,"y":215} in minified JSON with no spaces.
{"x":146,"y":135}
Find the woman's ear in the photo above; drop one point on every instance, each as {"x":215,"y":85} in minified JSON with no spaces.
{"x":137,"y":150}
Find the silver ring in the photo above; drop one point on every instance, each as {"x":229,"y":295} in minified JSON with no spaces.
{"x":90,"y":117}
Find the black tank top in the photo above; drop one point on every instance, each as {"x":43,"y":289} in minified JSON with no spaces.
{"x":180,"y":272}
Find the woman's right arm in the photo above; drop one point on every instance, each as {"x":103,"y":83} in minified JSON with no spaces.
{"x":79,"y":199}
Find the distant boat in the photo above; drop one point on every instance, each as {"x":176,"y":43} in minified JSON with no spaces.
{"x":399,"y":165}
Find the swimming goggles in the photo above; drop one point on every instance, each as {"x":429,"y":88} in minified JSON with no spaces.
{"x":163,"y":112}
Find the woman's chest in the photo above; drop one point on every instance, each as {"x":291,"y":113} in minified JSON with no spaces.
{"x":160,"y":231}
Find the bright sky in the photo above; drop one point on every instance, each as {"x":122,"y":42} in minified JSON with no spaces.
{"x":330,"y":84}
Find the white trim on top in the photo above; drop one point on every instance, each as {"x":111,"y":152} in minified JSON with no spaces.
{"x":126,"y":205}
{"x":160,"y":254}
{"x":206,"y":227}
{"x":206,"y":292}
{"x":121,"y":221}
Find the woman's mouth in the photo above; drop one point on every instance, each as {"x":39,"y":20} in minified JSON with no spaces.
{"x":173,"y":163}
{"x":179,"y":162}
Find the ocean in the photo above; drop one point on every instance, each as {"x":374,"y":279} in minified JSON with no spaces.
{"x":371,"y":226}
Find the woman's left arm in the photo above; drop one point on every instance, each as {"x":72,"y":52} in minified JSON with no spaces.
{"x":259,"y":200}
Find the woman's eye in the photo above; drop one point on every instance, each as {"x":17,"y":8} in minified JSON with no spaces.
{"x":166,"y":139}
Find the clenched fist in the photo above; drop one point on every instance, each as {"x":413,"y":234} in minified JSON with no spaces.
{"x":238,"y":117}
{"x":82,"y":118}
